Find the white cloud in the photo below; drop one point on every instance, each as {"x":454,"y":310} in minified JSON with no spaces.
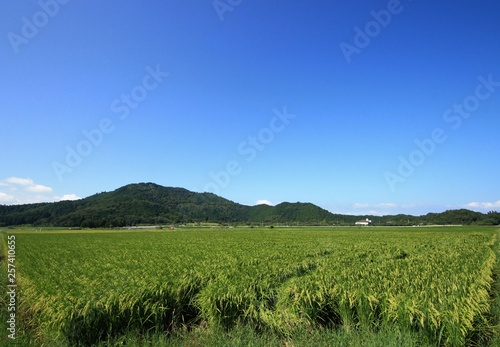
{"x":264,"y":202}
{"x":6,"y":198}
{"x":38,"y":188}
{"x":483,"y":205}
{"x":17,"y":190}
{"x":375,"y":213}
{"x":66,"y":197}
{"x":19,"y":181}
{"x":387,"y":205}
{"x":31,"y":199}
{"x":378,"y":209}
{"x":28,"y":184}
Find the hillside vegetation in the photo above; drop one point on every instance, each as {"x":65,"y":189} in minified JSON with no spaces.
{"x":149,"y":203}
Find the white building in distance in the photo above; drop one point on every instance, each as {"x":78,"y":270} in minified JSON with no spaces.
{"x":364,"y":222}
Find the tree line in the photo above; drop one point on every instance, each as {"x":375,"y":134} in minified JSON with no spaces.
{"x":148,"y":203}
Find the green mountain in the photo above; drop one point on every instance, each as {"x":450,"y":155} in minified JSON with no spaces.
{"x":149,"y":203}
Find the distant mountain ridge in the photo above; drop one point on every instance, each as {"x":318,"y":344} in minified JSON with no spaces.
{"x":149,"y":203}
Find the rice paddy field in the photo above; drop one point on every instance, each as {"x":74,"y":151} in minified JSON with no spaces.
{"x":254,"y":286}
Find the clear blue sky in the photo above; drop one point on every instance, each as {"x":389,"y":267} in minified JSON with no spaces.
{"x":360,"y":107}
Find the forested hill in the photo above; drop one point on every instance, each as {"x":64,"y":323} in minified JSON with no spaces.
{"x":149,"y":203}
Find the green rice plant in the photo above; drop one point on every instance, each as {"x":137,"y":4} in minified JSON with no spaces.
{"x":89,"y":287}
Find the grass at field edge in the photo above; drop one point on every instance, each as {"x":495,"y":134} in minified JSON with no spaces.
{"x":494,"y":316}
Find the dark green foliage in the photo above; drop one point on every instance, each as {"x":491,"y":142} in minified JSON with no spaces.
{"x":454,"y":216}
{"x":133,"y":204}
{"x":149,"y":203}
